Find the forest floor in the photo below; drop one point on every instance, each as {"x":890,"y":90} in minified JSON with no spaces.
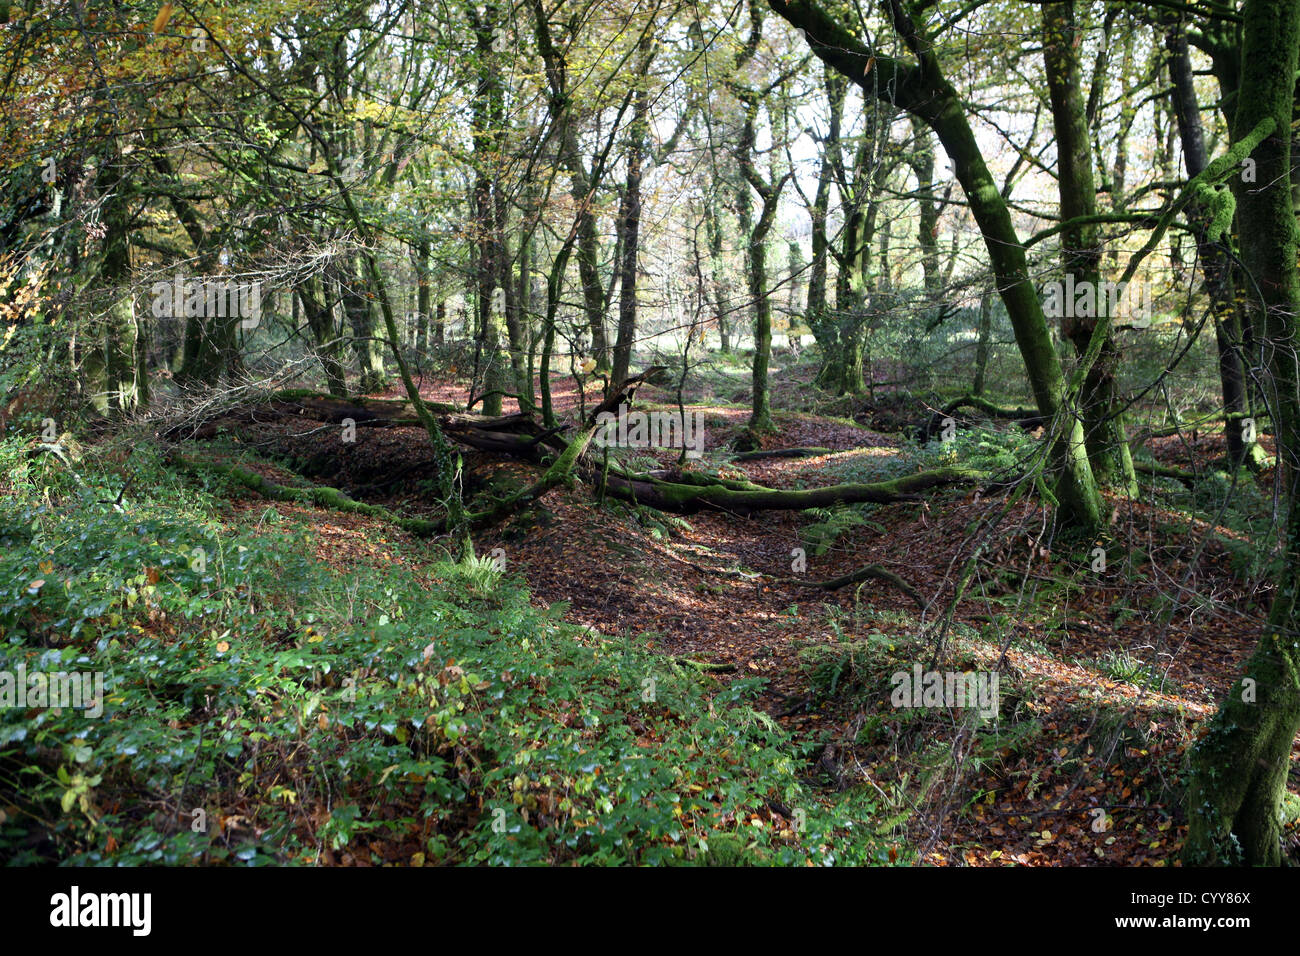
{"x":1106,"y":676}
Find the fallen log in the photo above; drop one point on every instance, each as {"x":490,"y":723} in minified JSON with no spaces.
{"x":304,"y":395}
{"x":704,"y":666}
{"x":1026,"y":418}
{"x":1165,"y":471}
{"x":690,"y":498}
{"x":782,"y":453}
{"x":316,"y":494}
{"x":558,"y":472}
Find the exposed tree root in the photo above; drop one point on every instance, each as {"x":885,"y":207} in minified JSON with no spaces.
{"x":863,"y":574}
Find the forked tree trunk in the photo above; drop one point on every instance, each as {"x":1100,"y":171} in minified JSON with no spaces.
{"x":1100,"y":403}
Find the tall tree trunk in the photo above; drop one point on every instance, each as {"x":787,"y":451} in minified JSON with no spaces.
{"x":630,"y":221}
{"x":755,"y":233}
{"x":495,"y":294}
{"x":1239,"y":768}
{"x":125,"y":382}
{"x":719,"y":282}
{"x":366,"y":345}
{"x":985,"y":333}
{"x":922,"y":162}
{"x":824,"y":327}
{"x":1220,"y":281}
{"x":320,"y":319}
{"x":1100,"y":404}
{"x":423,"y":294}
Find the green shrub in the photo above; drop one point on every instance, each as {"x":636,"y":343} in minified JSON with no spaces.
{"x":300,"y":708}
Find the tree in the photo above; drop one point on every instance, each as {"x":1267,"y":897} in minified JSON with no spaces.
{"x":1100,"y":405}
{"x":1239,"y":768}
{"x":921,"y":88}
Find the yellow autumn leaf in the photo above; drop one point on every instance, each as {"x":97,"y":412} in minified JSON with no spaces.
{"x":587,"y":366}
{"x":164,"y":14}
{"x":36,"y":585}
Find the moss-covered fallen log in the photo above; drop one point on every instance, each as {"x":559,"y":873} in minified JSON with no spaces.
{"x":1165,"y":471}
{"x":675,"y":476}
{"x":317,"y":495}
{"x":703,"y":666}
{"x":988,"y":408}
{"x":556,"y":474}
{"x":1026,"y":418}
{"x":690,"y":498}
{"x":782,"y":453}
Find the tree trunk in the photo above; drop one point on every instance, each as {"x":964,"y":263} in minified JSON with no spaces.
{"x":366,"y":345}
{"x":630,"y":222}
{"x":125,"y":382}
{"x":423,"y":294}
{"x":755,"y":233}
{"x":1239,"y":768}
{"x":1220,"y":281}
{"x":1100,"y":404}
{"x":320,"y":319}
{"x":985,"y":340}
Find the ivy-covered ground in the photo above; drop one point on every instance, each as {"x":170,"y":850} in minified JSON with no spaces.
{"x":288,"y":686}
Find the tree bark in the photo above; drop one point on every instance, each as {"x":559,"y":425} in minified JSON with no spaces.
{"x":1220,"y":282}
{"x":630,"y":220}
{"x":1239,"y":768}
{"x":1100,"y":403}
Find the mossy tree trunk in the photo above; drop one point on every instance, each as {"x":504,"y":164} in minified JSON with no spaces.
{"x":629,"y":216}
{"x":1220,"y":279}
{"x":320,"y":319}
{"x":1240,"y":766}
{"x":984,"y":343}
{"x":755,"y":231}
{"x":1100,"y":404}
{"x":358,"y":304}
{"x":125,"y":378}
{"x":823,"y":327}
{"x":921,"y":88}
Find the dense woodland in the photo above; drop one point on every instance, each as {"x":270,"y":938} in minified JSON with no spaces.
{"x":767,"y":432}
